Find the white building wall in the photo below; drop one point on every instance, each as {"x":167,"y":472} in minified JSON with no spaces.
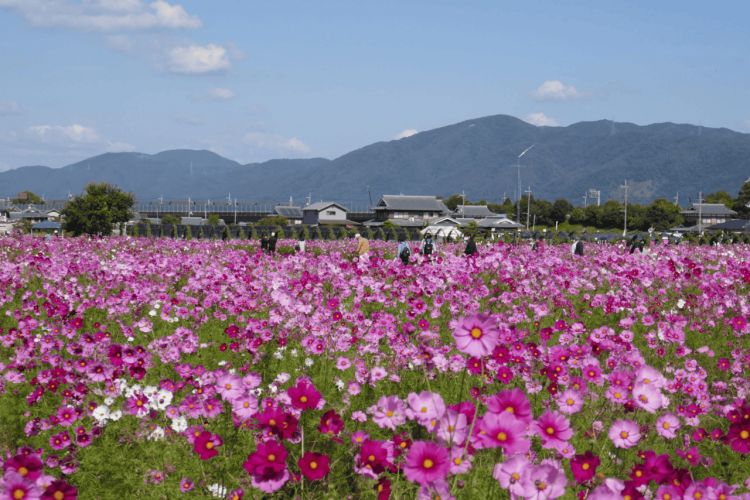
{"x":332,"y":213}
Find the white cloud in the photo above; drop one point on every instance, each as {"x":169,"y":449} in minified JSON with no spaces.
{"x":541,"y":120}
{"x":220,"y":94}
{"x":273,"y":142}
{"x":198,"y":59}
{"x":103,"y":15}
{"x":74,"y":136}
{"x":75,"y":133}
{"x":9,"y":108}
{"x":555,"y":90}
{"x":406,"y":133}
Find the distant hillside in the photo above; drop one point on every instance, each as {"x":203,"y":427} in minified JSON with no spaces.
{"x":476,"y":156}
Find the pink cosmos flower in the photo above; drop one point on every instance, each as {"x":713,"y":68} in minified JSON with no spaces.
{"x":230,"y":387}
{"x":554,"y":429}
{"x":667,"y":425}
{"x":137,"y":404}
{"x":540,"y":482}
{"x":624,"y":433}
{"x":389,"y":413}
{"x":427,"y":463}
{"x":476,"y":335}
{"x":425,"y":407}
{"x":460,"y":461}
{"x":512,"y":401}
{"x":505,"y":431}
{"x":509,"y":473}
{"x":453,"y":427}
{"x":186,"y":485}
{"x":569,"y":401}
{"x":648,"y":397}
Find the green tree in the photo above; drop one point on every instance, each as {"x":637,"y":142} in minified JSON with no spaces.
{"x":720,"y":197}
{"x":662,"y":214}
{"x":743,"y":199}
{"x":273,"y":220}
{"x":560,"y":210}
{"x":97,"y":209}
{"x":453,"y":201}
{"x":170,"y":219}
{"x":214,"y":219}
{"x":25,"y":197}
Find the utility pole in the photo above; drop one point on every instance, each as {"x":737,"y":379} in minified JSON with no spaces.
{"x":528,"y":206}
{"x":677,"y":199}
{"x":518,"y":169}
{"x":585,"y":199}
{"x":700,"y":213}
{"x":235,"y":211}
{"x":625,"y":229}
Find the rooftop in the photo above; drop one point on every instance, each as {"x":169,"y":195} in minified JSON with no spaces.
{"x":411,"y":203}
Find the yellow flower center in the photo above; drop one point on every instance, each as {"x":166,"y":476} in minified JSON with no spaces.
{"x":666,"y":425}
{"x":209,"y":445}
{"x":427,"y":464}
{"x":585,"y":466}
{"x":228,"y":386}
{"x":23,"y":471}
{"x":541,"y":486}
{"x":550,"y":430}
{"x":371,"y":458}
{"x":389,"y":413}
{"x":272,"y":422}
{"x":18,"y":494}
{"x":271,"y":457}
{"x":624,"y":434}
{"x":423,"y":409}
{"x":313,"y":465}
{"x":58,"y":495}
{"x":515,"y":476}
{"x":457,"y":461}
{"x":510,"y":409}
{"x":476,"y":333}
{"x":569,"y":402}
{"x":501,"y":436}
{"x":744,"y":434}
{"x":303,"y":399}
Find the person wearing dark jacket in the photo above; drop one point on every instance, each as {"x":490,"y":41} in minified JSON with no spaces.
{"x":272,"y":244}
{"x":264,"y":243}
{"x":471,"y":247}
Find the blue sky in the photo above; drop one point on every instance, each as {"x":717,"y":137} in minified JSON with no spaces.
{"x":254,"y":80}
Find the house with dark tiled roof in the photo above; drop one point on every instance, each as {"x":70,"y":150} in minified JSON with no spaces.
{"x":709,"y":213}
{"x":473,"y":211}
{"x":408,"y":211}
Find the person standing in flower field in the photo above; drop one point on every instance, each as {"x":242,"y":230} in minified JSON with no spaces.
{"x":427,"y":247}
{"x":363,"y":248}
{"x":471,"y":247}
{"x":403,"y":251}
{"x":272,"y":244}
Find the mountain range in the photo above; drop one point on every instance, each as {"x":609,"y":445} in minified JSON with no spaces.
{"x":478,"y":157}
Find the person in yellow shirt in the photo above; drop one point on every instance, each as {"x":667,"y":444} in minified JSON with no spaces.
{"x":363,"y":248}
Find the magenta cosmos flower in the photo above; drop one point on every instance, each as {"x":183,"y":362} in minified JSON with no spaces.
{"x":553,"y":428}
{"x":304,"y":395}
{"x":427,"y":463}
{"x":624,"y":433}
{"x":505,"y":431}
{"x":476,"y":335}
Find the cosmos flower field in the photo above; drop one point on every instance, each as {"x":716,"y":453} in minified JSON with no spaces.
{"x":157,"y":368}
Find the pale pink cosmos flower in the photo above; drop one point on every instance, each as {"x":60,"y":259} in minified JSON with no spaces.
{"x":509,"y":473}
{"x":624,"y":433}
{"x":569,"y":401}
{"x":476,"y":335}
{"x":425,"y":407}
{"x":453,"y":427}
{"x":667,"y":425}
{"x":389,"y":412}
{"x":648,"y":397}
{"x":542,"y":481}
